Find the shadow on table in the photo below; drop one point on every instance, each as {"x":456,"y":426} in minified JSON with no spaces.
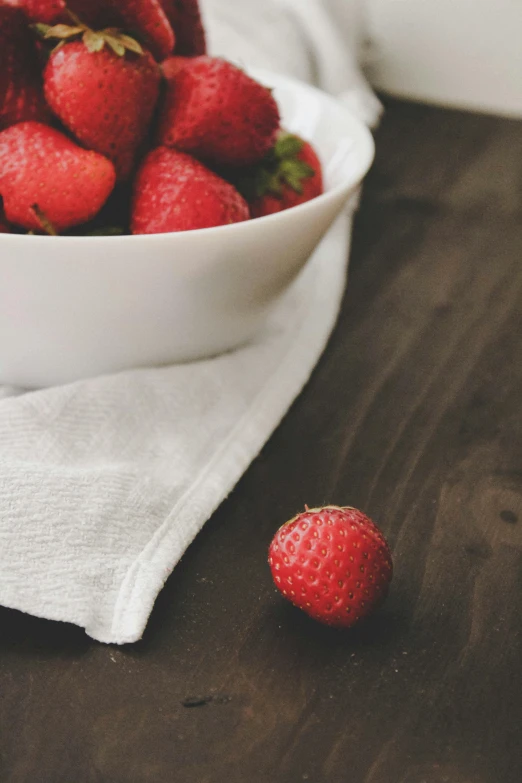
{"x":28,"y":635}
{"x":382,"y":629}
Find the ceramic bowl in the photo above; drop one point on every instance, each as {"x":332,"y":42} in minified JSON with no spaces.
{"x":73,"y":307}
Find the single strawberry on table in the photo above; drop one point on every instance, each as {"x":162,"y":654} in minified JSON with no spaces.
{"x":104,"y":88}
{"x":333,"y":563}
{"x":290,"y":174}
{"x":21,"y":90}
{"x":185,"y":19}
{"x":216,"y":112}
{"x":42,"y":172}
{"x":175,"y":192}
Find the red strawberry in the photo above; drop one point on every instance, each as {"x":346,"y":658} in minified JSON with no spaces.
{"x":21,"y":94}
{"x":104,"y":94}
{"x":185,"y":18}
{"x":289,"y":175}
{"x":171,"y":66}
{"x":174,"y":192}
{"x":333,"y":563}
{"x":52,"y":11}
{"x":43,"y":172}
{"x":216,"y":112}
{"x":46,"y":11}
{"x":147,"y":20}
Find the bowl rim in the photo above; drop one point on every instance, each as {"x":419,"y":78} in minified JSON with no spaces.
{"x":359,"y":132}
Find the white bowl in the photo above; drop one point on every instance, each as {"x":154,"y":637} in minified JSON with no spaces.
{"x":72,"y":307}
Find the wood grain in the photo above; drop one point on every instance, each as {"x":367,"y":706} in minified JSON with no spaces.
{"x":413,"y":414}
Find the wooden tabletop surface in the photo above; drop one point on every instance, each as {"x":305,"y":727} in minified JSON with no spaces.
{"x":414,"y":414}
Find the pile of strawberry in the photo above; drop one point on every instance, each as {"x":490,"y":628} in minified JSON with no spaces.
{"x":113,"y":119}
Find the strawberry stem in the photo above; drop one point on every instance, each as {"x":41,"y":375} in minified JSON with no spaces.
{"x":43,"y":220}
{"x":75,"y":19}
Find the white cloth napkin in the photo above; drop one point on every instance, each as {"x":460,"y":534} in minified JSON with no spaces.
{"x":104,"y":483}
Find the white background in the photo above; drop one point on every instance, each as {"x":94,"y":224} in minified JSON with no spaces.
{"x":458,"y":52}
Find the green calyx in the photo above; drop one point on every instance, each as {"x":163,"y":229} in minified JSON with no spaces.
{"x":280,"y":168}
{"x":94,"y":40}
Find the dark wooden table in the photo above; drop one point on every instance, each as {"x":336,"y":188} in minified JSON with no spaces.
{"x":414,"y":414}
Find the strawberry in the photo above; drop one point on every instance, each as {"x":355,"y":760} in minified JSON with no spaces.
{"x":144,"y":18}
{"x":333,"y":563}
{"x":185,"y":18}
{"x":215,"y":111}
{"x":104,"y":89}
{"x":21,"y":93}
{"x":174,"y":192}
{"x":52,"y":11}
{"x":171,"y":66}
{"x":147,"y":20}
{"x":290,"y":174}
{"x":47,"y":11}
{"x":42,"y":172}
